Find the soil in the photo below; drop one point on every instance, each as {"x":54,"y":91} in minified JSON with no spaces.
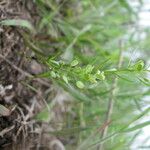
{"x":18,"y":129}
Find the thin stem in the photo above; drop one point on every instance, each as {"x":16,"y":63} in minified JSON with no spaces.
{"x":111,"y":98}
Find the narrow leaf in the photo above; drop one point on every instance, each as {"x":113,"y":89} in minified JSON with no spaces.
{"x":18,"y":22}
{"x":139,"y":126}
{"x":4,"y":111}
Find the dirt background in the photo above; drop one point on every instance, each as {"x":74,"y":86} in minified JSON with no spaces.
{"x":18,"y":129}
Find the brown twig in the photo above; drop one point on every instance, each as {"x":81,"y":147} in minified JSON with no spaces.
{"x":6,"y":130}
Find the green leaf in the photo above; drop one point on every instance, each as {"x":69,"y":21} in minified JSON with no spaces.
{"x":139,"y":65}
{"x":74,"y":63}
{"x":145,"y":81}
{"x":54,"y":62}
{"x":89,"y":68}
{"x":53,"y":74}
{"x":100,"y":75}
{"x":80,"y":84}
{"x":65,"y":79}
{"x":139,"y":126}
{"x":44,"y":75}
{"x":92,"y":79}
{"x":18,"y":22}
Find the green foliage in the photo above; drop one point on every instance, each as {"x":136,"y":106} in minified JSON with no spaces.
{"x":73,"y":72}
{"x":80,"y":84}
{"x":138,"y":66}
{"x":81,"y":55}
{"x":88,"y":35}
{"x":74,"y":63}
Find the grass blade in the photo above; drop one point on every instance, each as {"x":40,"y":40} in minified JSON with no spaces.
{"x":18,"y":22}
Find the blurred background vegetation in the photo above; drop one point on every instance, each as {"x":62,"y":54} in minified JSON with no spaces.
{"x":94,"y":32}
